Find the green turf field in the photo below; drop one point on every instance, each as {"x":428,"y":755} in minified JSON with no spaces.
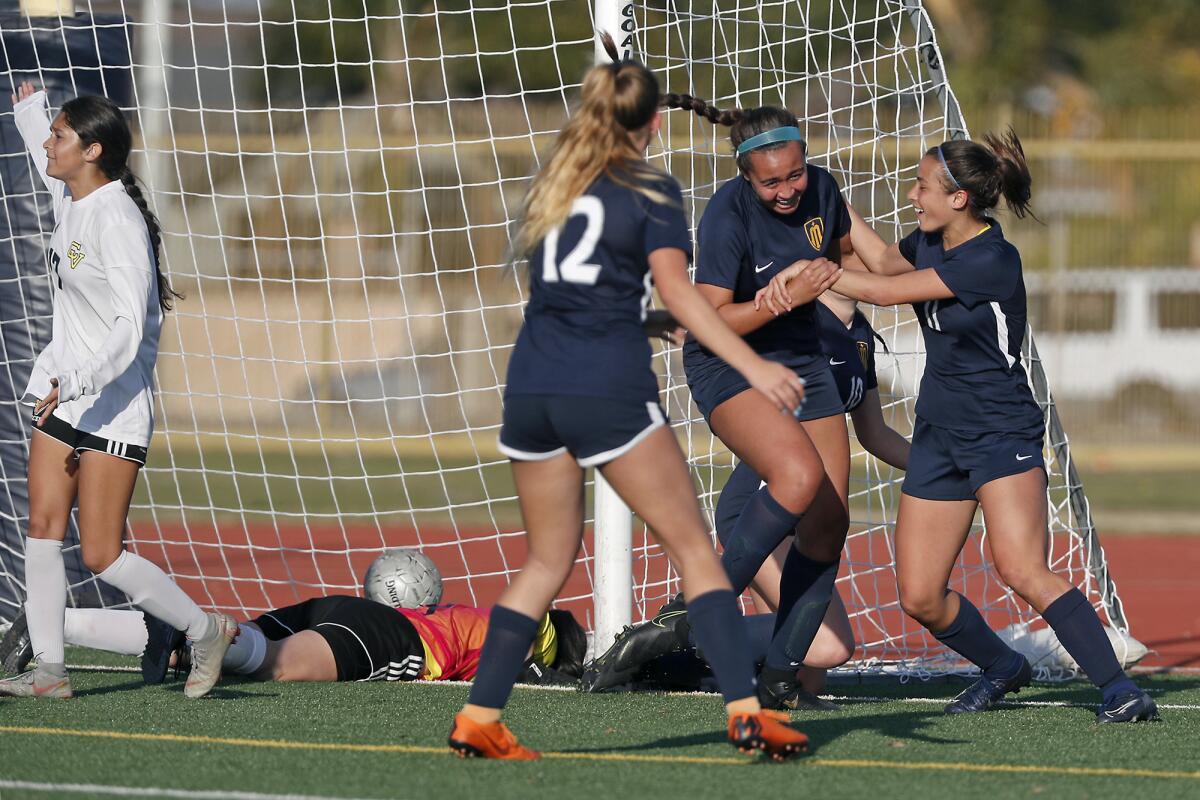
{"x":386,"y":740}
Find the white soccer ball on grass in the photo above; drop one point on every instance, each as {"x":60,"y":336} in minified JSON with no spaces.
{"x":403,"y":578}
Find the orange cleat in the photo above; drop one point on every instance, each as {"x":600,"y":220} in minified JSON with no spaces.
{"x":471,"y":739}
{"x":768,"y":731}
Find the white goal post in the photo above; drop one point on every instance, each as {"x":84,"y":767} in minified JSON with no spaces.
{"x":336,"y":184}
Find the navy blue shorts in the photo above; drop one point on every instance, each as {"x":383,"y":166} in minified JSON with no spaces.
{"x":714,"y":383}
{"x":595,"y":430}
{"x":946,"y":464}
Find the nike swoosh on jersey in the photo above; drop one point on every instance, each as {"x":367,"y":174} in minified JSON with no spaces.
{"x":833,"y":363}
{"x":1023,"y":458}
{"x":768,"y":265}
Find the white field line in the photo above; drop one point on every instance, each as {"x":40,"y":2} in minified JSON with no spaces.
{"x":153,"y":791}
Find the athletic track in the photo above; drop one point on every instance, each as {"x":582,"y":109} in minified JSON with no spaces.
{"x":259,"y":567}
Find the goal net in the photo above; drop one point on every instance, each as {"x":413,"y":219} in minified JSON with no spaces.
{"x":336,"y":183}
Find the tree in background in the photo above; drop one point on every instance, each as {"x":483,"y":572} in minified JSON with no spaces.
{"x":1124,"y":54}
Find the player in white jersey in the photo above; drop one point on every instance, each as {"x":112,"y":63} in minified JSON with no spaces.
{"x":92,"y":388}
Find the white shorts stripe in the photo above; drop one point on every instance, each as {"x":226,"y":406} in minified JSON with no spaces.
{"x":370,"y":661}
{"x":524,"y":455}
{"x":656,"y":421}
{"x":278,"y":622}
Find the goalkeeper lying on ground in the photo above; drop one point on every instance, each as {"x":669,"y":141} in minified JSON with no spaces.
{"x":335,"y":638}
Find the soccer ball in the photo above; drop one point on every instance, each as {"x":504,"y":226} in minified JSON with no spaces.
{"x":403,"y":578}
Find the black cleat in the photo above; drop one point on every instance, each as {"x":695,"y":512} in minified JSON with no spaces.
{"x":1129,"y":707}
{"x":637,"y":646}
{"x":807,"y":701}
{"x":790,"y":696}
{"x":161,"y":641}
{"x":16,"y":651}
{"x":537,"y":674}
{"x":986,"y":692}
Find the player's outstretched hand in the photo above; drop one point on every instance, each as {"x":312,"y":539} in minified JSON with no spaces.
{"x":23,"y":91}
{"x":661,"y":324}
{"x":796,"y":285}
{"x":780,"y":384}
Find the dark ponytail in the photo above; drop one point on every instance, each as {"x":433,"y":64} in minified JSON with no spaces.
{"x":98,"y":120}
{"x":743,"y":122}
{"x":988,"y":171}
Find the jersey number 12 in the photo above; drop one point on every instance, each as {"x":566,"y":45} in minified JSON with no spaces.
{"x":574,"y":267}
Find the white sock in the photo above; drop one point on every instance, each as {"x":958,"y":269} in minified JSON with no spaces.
{"x":247,"y":652}
{"x":46,"y":598}
{"x":156,"y":594}
{"x":110,"y":629}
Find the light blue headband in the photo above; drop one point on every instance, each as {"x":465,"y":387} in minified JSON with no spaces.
{"x":788,"y":133}
{"x":945,"y":166}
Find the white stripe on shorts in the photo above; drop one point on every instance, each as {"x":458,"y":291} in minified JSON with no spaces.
{"x":524,"y":455}
{"x":656,"y":421}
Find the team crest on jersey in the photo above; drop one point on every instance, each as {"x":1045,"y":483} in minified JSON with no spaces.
{"x":815,"y":228}
{"x":76,"y":254}
{"x":864,"y":352}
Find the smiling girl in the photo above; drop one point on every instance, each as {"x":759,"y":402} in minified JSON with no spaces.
{"x":92,"y":388}
{"x":979,"y":431}
{"x":777,"y":212}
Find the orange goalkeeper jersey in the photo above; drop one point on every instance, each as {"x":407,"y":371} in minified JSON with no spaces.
{"x":453,"y":636}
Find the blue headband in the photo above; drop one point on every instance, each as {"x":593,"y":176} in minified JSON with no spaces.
{"x":789,"y":133}
{"x":945,"y":166}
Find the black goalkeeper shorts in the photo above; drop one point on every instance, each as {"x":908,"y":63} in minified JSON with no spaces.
{"x":370,"y":641}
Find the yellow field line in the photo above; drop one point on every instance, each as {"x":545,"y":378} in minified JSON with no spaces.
{"x":844,"y":763}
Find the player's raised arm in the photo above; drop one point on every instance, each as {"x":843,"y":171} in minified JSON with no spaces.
{"x":32,"y":117}
{"x":93,"y":389}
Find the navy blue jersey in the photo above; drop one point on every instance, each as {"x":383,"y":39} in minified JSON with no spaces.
{"x":589,"y":286}
{"x":851,"y":353}
{"x":743,"y":244}
{"x":974,"y":379}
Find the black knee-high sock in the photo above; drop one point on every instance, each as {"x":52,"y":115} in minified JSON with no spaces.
{"x":759,"y":530}
{"x":970,"y":637}
{"x":1079,"y":630}
{"x":509,"y":637}
{"x":804,"y":594}
{"x":720,"y":633}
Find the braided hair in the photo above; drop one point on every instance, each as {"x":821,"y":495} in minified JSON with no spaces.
{"x":742,"y":122}
{"x":98,"y":119}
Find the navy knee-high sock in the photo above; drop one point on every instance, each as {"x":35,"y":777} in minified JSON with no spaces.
{"x":720,"y":633}
{"x":804,"y":594}
{"x":738,"y":490}
{"x":1079,"y":630}
{"x":970,"y":637}
{"x":510,"y":635}
{"x":760,"y":628}
{"x":762,"y":525}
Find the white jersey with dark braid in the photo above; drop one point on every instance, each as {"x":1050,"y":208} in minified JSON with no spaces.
{"x":104,"y":338}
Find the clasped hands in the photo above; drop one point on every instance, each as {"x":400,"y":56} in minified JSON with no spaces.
{"x":800,"y":283}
